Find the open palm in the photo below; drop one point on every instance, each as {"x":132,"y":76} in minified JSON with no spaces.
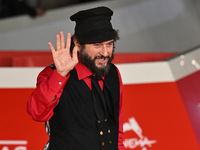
{"x":63,"y":59}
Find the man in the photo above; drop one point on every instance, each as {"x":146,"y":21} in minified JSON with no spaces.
{"x":80,"y":97}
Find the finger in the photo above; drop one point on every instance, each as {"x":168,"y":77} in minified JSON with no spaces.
{"x":51,"y":47}
{"x":68,"y":42}
{"x":62,"y":39}
{"x":57,"y":42}
{"x":74,"y":54}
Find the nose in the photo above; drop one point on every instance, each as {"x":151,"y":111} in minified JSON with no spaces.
{"x":104,"y":51}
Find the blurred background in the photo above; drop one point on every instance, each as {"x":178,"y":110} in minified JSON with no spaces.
{"x":144,"y":25}
{"x":158,"y":55}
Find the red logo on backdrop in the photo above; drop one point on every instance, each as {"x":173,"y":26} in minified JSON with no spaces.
{"x":141,"y":140}
{"x":13,"y":145}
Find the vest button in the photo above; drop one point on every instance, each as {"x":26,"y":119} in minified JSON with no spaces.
{"x":102,"y":143}
{"x":108,"y":130}
{"x":101,"y":132}
{"x":110,"y":142}
{"x":106,"y":120}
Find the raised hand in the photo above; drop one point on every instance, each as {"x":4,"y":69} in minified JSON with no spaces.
{"x":63,"y":60}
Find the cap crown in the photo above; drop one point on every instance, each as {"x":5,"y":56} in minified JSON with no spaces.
{"x":93,"y":25}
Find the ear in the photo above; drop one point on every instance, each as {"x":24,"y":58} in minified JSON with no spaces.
{"x":76,"y":43}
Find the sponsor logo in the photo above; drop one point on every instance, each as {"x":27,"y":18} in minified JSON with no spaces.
{"x":13,"y":144}
{"x":141,"y":140}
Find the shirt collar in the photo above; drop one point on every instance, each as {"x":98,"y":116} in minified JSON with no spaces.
{"x":82,"y":71}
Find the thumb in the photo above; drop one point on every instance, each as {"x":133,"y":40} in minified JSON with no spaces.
{"x":75,"y":53}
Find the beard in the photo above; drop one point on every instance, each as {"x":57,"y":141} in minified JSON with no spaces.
{"x":90,"y":63}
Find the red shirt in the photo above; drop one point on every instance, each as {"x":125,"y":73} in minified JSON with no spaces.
{"x":50,"y":85}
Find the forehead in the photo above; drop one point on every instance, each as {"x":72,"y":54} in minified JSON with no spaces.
{"x":106,"y":41}
{"x":99,"y":43}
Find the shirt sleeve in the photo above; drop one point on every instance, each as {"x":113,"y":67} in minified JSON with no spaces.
{"x":121,"y":132}
{"x":46,"y":96}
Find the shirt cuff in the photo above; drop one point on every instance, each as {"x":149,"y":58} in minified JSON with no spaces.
{"x":57,"y":81}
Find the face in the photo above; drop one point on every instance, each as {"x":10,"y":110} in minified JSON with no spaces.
{"x":97,"y":56}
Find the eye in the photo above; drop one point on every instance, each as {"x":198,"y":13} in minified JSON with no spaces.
{"x":97,"y":45}
{"x":110,"y":43}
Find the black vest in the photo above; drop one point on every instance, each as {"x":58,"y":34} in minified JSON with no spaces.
{"x":74,"y":125}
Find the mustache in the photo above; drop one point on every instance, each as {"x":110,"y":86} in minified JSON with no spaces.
{"x":102,"y":57}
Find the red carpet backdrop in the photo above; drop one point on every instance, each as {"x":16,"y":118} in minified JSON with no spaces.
{"x":161,"y":101}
